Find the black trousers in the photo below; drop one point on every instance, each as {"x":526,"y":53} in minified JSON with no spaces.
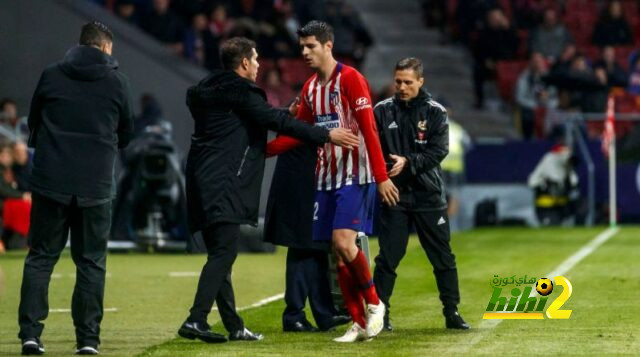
{"x":434,"y":235}
{"x":221,"y":241}
{"x":307,"y":277}
{"x":50,"y":225}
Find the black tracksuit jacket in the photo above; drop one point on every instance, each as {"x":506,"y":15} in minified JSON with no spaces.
{"x":418,"y":130}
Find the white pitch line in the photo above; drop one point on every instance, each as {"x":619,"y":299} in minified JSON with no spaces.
{"x":72,"y":275}
{"x":263,"y":302}
{"x":487,"y":326}
{"x":259,"y":303}
{"x":108,"y":309}
{"x":183,"y":274}
{"x":254,"y":305}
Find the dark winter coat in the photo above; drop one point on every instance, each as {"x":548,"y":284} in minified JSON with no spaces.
{"x":226,"y":160}
{"x":289,"y":216}
{"x":81,"y":113}
{"x":418,"y":130}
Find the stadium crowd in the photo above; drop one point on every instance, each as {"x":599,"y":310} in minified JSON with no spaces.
{"x":15,"y":196}
{"x":548,"y":58}
{"x":195,"y":29}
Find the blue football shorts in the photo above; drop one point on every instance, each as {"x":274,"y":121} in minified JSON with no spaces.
{"x":349,"y":207}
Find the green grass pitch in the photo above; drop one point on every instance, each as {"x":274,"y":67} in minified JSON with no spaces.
{"x":146,"y":305}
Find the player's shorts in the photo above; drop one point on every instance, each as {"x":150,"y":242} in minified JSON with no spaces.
{"x":349,"y":207}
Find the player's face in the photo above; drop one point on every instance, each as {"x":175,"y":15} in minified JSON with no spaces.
{"x":407,"y":84}
{"x":313,"y":52}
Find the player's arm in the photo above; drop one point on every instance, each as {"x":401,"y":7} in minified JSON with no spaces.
{"x":283,"y":143}
{"x":357,"y":92}
{"x":437,"y":147}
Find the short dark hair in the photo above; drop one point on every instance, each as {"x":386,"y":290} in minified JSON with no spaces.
{"x":234,"y":50}
{"x":410,"y":63}
{"x":95,"y":33}
{"x":321,"y":30}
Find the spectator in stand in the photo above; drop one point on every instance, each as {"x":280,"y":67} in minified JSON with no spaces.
{"x":164,"y":25}
{"x":616,"y":75}
{"x":10,"y":120}
{"x":128,"y":11}
{"x":562,"y":64}
{"x":307,"y":10}
{"x":276,"y":38}
{"x":496,"y":41}
{"x":290,"y":18}
{"x":634,"y":77}
{"x":187,"y":9}
{"x":220,"y":24}
{"x":470,"y":15}
{"x":434,"y":14}
{"x":151,"y":114}
{"x":278,"y":94}
{"x":550,"y":37}
{"x":8,"y":111}
{"x":352,"y":36}
{"x":256,"y":10}
{"x":16,"y":204}
{"x":590,"y":87}
{"x":200,"y":45}
{"x":612,"y":28}
{"x":532,"y":92}
{"x":528,"y":13}
{"x":21,"y":165}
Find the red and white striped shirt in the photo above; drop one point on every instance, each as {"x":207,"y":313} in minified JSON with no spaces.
{"x":342,"y":102}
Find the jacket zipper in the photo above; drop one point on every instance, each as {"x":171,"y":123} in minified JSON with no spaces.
{"x":244,"y":157}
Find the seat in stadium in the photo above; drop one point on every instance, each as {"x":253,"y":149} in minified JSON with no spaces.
{"x":507,"y":73}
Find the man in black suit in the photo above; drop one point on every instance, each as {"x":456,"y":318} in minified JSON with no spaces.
{"x":80,"y":116}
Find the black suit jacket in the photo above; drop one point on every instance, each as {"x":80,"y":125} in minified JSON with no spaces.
{"x":289,"y":216}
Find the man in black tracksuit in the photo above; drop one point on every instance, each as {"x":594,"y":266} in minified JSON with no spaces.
{"x":81,"y":114}
{"x":414,"y":135}
{"x":224,"y":174}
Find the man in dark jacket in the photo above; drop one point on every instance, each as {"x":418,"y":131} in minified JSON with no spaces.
{"x":80,"y":115}
{"x":289,"y":223}
{"x":414,"y":134}
{"x":225,"y":167}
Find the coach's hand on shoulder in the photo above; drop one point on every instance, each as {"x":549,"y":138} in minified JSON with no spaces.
{"x":343,"y":137}
{"x":388,"y":192}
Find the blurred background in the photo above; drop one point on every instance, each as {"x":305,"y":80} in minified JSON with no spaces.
{"x":526,"y":84}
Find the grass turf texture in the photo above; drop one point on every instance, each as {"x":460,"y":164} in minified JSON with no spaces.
{"x":151,"y":305}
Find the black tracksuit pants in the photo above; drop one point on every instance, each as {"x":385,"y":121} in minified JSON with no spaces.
{"x":51,"y":222}
{"x":221,"y":241}
{"x":434,"y":235}
{"x":308,"y":277}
